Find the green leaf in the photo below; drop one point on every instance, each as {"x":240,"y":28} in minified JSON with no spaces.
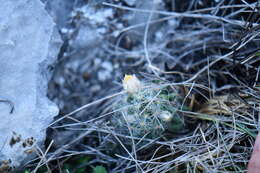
{"x":99,"y":169}
{"x":81,"y":170}
{"x":82,"y":160}
{"x":257,"y":54}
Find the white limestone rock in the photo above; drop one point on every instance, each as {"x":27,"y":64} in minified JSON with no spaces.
{"x":29,"y":44}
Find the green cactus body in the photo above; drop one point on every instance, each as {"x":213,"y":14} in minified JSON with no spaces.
{"x":148,"y":112}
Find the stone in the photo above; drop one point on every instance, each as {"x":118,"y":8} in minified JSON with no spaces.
{"x":29,"y":45}
{"x":60,"y":10}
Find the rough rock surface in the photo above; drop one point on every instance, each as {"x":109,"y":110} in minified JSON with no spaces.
{"x":29,"y":45}
{"x":59,"y":10}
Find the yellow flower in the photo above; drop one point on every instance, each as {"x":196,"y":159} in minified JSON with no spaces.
{"x":131,"y":84}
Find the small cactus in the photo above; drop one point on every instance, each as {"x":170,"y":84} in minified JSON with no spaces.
{"x":146,"y":110}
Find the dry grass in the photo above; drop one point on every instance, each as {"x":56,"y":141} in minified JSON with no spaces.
{"x":213,"y":55}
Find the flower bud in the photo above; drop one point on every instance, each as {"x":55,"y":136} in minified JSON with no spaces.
{"x":131,"y":84}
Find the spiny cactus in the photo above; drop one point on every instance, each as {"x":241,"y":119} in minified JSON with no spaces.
{"x":147,"y":110}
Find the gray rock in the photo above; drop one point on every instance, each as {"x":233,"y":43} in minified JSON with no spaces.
{"x":137,"y":18}
{"x":87,"y":37}
{"x":29,"y":45}
{"x":92,"y":27}
{"x":60,"y":10}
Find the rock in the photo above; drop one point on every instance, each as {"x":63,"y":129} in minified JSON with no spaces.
{"x":60,"y":10}
{"x":137,"y":18}
{"x":92,"y":26}
{"x":87,"y":37}
{"x":107,"y":65}
{"x":29,"y":45}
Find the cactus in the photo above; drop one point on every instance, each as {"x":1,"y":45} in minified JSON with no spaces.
{"x":146,"y":110}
